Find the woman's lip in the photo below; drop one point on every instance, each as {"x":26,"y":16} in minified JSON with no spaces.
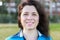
{"x":29,"y":22}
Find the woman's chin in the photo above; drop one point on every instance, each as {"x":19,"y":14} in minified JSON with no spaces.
{"x":30,"y":28}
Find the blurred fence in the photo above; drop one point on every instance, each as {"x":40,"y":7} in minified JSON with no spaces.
{"x":8,"y":11}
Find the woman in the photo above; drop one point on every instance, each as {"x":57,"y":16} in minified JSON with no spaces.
{"x":32,"y":21}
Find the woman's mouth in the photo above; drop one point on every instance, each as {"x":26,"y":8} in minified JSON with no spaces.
{"x":30,"y":23}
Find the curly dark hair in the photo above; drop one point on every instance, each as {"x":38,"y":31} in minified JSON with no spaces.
{"x":43,"y":25}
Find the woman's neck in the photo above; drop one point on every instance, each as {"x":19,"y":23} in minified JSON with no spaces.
{"x":30,"y":34}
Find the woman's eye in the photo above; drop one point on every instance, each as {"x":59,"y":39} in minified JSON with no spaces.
{"x":25,"y":14}
{"x":34,"y":14}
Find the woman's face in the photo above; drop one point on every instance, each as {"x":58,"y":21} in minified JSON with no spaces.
{"x":29,"y":17}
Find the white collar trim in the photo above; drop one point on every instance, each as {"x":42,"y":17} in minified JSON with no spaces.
{"x":21,"y":33}
{"x":39,"y":33}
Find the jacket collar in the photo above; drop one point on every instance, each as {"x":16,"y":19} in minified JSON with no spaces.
{"x":21,"y":33}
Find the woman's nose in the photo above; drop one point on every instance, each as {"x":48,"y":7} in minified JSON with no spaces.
{"x":29,"y":17}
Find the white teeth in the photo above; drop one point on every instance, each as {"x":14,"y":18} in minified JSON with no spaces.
{"x":29,"y":22}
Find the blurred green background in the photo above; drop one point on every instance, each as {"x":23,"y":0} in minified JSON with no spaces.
{"x":8,"y":17}
{"x":11,"y":29}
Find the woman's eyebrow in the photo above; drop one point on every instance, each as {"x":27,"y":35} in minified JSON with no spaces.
{"x":33,"y":12}
{"x":26,"y":12}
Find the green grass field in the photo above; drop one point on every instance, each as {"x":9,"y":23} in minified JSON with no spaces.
{"x":10,"y":29}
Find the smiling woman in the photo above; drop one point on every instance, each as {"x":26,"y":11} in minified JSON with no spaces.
{"x":32,"y":21}
{"x":29,"y":17}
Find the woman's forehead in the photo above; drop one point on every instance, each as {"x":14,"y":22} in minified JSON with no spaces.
{"x":29,"y":8}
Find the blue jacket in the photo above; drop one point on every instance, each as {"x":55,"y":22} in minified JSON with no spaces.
{"x":19,"y":36}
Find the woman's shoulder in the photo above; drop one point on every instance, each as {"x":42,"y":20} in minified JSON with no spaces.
{"x":19,"y":36}
{"x":9,"y":38}
{"x":43,"y":37}
{"x":13,"y":37}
